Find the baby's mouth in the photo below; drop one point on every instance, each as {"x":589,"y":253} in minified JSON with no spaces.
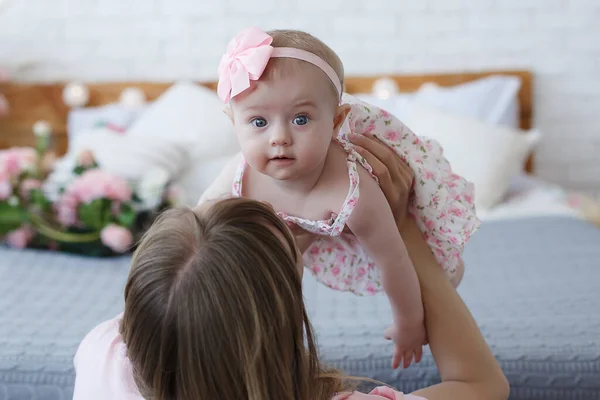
{"x":282,"y":158}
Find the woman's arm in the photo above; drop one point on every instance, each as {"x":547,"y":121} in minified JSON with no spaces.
{"x":466,"y":364}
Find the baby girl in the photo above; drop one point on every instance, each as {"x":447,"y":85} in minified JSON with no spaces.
{"x":294,"y":123}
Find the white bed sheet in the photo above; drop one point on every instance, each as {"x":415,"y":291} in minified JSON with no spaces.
{"x":531,"y":197}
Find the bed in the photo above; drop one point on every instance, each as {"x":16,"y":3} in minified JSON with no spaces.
{"x":532,"y":272}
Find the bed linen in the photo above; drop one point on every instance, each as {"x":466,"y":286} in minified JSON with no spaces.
{"x":531,"y":284}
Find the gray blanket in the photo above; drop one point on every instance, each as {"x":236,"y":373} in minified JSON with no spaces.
{"x":531,"y":284}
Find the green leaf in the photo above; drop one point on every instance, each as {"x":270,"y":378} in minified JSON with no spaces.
{"x":126,"y":216}
{"x":93,"y":214}
{"x":78,"y":170}
{"x":107,"y":214}
{"x":11,"y":217}
{"x":38,"y":199}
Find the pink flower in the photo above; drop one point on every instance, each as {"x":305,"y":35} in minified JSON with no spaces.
{"x":10,"y":161}
{"x":18,"y":159}
{"x":20,"y":238}
{"x":86,"y":158}
{"x":371,"y":289}
{"x":66,"y":210}
{"x":429,"y":175}
{"x":468,"y":198}
{"x":429,"y":224}
{"x":66,"y":215}
{"x":5,"y":185}
{"x":116,"y":238}
{"x":361,"y":272}
{"x":335,"y":271}
{"x":316,"y":268}
{"x":97,"y":184}
{"x":28,"y":185}
{"x":391,"y":135}
{"x":457,"y":212}
{"x":370,"y":128}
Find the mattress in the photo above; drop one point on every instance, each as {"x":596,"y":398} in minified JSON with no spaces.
{"x":531,"y":284}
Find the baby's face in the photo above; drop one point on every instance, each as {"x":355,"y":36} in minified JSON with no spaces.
{"x":285,"y":125}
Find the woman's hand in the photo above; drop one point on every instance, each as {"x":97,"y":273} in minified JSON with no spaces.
{"x":395,"y":176}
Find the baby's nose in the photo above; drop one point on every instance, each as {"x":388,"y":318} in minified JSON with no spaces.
{"x":281,"y":137}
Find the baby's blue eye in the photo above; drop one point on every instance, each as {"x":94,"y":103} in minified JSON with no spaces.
{"x":259,"y":122}
{"x":301,"y":120}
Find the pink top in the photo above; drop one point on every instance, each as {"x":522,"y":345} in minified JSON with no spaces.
{"x":104,"y":371}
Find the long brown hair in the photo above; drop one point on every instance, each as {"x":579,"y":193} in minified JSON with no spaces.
{"x":214,"y":309}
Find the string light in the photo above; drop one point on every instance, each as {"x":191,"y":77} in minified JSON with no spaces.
{"x":76,"y":94}
{"x":384,"y":88}
{"x":132,"y":97}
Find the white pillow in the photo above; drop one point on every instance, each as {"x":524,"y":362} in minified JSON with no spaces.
{"x":199,"y":176}
{"x":396,"y":104}
{"x":488,"y":155}
{"x":188,"y":113}
{"x":130,"y":157}
{"x":493,"y":99}
{"x":84,"y":119}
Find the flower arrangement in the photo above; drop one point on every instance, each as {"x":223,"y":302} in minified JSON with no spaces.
{"x":96,"y":213}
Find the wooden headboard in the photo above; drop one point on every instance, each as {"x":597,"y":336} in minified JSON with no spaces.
{"x":31,"y":102}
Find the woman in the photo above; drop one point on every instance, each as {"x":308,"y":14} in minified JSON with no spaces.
{"x":214,"y":310}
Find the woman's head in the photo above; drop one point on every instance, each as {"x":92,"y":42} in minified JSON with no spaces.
{"x":292,"y":111}
{"x":214,"y":309}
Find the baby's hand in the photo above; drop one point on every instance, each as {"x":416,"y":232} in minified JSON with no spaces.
{"x":408,"y":340}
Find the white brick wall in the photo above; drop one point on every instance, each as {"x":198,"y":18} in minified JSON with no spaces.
{"x":168,"y":39}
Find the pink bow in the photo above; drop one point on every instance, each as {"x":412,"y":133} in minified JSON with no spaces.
{"x":246,"y":58}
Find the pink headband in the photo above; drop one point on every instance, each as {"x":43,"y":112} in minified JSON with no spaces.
{"x":247,"y":56}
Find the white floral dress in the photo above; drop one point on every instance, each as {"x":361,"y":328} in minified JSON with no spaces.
{"x":443,"y":204}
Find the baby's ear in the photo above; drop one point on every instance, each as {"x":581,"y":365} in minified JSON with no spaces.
{"x":340,"y":116}
{"x":228,"y":112}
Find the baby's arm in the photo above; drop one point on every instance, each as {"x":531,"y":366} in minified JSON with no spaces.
{"x":222,"y":184}
{"x":373,"y":224}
